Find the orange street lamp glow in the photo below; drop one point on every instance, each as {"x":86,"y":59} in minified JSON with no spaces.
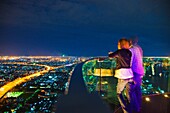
{"x":166,"y":96}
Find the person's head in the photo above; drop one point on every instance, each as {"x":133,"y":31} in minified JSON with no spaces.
{"x":133,"y":40}
{"x":123,"y":44}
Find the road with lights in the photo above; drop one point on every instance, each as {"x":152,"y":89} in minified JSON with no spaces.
{"x":4,"y":89}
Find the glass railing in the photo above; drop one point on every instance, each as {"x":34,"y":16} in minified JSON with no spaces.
{"x":99,"y":77}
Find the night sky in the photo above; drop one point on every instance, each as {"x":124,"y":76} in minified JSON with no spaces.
{"x":82,"y":27}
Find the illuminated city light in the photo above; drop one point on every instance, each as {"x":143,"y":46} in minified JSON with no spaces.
{"x":157,"y":92}
{"x":162,"y":91}
{"x":160,"y":74}
{"x":1,"y":89}
{"x":12,"y":110}
{"x":147,"y":80}
{"x":166,"y":96}
{"x":147,"y":99}
{"x":14,"y":94}
{"x":152,"y":67}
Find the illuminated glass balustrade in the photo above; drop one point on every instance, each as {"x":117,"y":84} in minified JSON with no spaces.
{"x":99,"y":76}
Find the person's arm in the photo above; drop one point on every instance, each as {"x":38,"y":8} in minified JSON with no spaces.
{"x":113,"y":54}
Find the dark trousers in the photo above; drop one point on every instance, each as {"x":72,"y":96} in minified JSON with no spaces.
{"x":137,"y":92}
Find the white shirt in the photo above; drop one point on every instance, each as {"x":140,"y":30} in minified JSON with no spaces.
{"x":124,"y":73}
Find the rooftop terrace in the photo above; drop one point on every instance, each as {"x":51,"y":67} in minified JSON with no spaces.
{"x":92,"y":88}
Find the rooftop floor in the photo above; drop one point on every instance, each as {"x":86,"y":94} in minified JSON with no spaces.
{"x":79,"y":100}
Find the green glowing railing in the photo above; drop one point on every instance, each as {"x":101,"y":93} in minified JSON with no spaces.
{"x":99,"y":76}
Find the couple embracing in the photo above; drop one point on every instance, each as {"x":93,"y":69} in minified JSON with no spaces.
{"x":129,"y":71}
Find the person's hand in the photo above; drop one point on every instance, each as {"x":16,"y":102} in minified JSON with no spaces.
{"x":110,"y":52}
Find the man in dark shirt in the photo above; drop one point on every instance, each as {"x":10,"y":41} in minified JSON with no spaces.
{"x":124,"y":74}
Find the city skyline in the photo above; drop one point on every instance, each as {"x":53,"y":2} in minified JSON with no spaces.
{"x":82,"y":27}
